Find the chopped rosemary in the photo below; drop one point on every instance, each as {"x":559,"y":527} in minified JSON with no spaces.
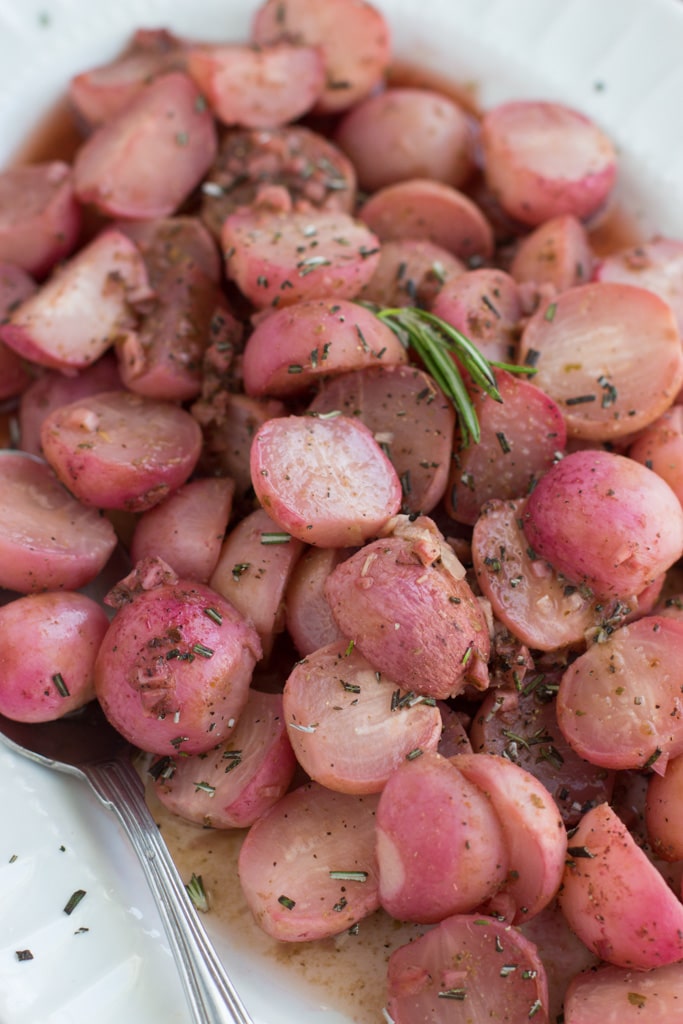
{"x":197,"y":893}
{"x":60,"y":686}
{"x":453,"y":993}
{"x":275,"y":538}
{"x":214,"y":615}
{"x":286,"y":902}
{"x":206,"y":652}
{"x":349,"y":876}
{"x":205,"y":787}
{"x":436,"y":342}
{"x":74,"y":900}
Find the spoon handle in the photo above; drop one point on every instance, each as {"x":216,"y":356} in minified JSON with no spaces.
{"x":210,"y":993}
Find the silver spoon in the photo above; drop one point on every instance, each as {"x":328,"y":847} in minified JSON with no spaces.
{"x":85,"y":745}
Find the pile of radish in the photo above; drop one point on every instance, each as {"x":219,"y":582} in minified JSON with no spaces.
{"x":429,"y":664}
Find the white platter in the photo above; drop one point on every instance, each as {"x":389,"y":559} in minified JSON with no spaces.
{"x":619,"y":61}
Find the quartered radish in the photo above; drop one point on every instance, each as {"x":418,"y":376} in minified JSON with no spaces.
{"x":557,"y":253}
{"x":308,"y":866}
{"x":615,"y":899}
{"x":294,"y":347}
{"x":308,"y":616}
{"x":353,"y":35}
{"x":326,"y":481}
{"x":48,"y":539}
{"x":350,"y":726}
{"x":621,"y":995}
{"x":660,"y":448}
{"x":663,"y":822}
{"x":40,"y":219}
{"x":620,"y":704}
{"x":485,"y":305}
{"x":120,"y":450}
{"x":587,"y":347}
{"x":235,"y":783}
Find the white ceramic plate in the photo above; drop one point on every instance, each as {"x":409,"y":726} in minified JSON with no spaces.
{"x":619,"y":61}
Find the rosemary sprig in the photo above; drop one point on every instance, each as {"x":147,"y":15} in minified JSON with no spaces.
{"x":197,"y":893}
{"x":435,"y":342}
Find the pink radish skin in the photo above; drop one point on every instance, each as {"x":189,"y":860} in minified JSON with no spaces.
{"x":605,"y":521}
{"x":280,"y":257}
{"x":325,"y":481}
{"x":429,"y":210}
{"x":40,"y":218}
{"x":293,"y":348}
{"x":234,"y":784}
{"x":533,"y":830}
{"x":663,"y":822}
{"x":348,"y":729}
{"x":461,"y":962}
{"x":258,"y":87}
{"x":406,"y":606}
{"x":309,"y":618}
{"x":353,"y":35}
{"x":288,"y":861}
{"x":53,"y":674}
{"x":620,"y":704}
{"x":187,"y":529}
{"x":120,"y":450}
{"x":587,"y":346}
{"x":615,"y":900}
{"x":431,"y":813}
{"x":148,"y":158}
{"x":253,"y":573}
{"x":171,"y":676}
{"x":404,"y":133}
{"x":542,"y":160}
{"x":660,"y":448}
{"x":620,"y":995}
{"x":557,"y":253}
{"x":76,"y":315}
{"x":48,"y":540}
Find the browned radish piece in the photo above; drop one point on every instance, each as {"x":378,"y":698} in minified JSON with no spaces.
{"x":478,"y":967}
{"x":605,"y":521}
{"x":163,"y":358}
{"x":40,"y":218}
{"x":420,"y":208}
{"x":100,"y":93}
{"x":252,"y":572}
{"x":620,"y":995}
{"x":615,"y":900}
{"x":325,"y":481}
{"x":352,"y":34}
{"x":544,"y":159}
{"x":410,"y":272}
{"x":170,"y":244}
{"x":120,"y":450}
{"x":187,"y":528}
{"x":80,"y":311}
{"x":258,"y":86}
{"x":532,"y":827}
{"x":619,"y":705}
{"x":587,"y":346}
{"x":662,"y":811}
{"x":147,"y":159}
{"x":48,"y":644}
{"x":173,"y":672}
{"x":351,"y":727}
{"x":235,"y":783}
{"x":429,"y":813}
{"x":308,"y":616}
{"x":48,"y":540}
{"x":405,"y":603}
{"x":660,"y":448}
{"x":52,"y":389}
{"x":539,"y":607}
{"x":521,"y":438}
{"x":308,"y":866}
{"x":14,"y":375}
{"x":312,"y":170}
{"x":15,"y":286}
{"x":454,"y":738}
{"x":296,"y":346}
{"x":656,"y":265}
{"x":410,"y":417}
{"x":484,"y":305}
{"x":403,"y":133}
{"x":523,"y":727}
{"x":279,"y":258}
{"x":557,"y":253}
{"x":228,"y":426}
